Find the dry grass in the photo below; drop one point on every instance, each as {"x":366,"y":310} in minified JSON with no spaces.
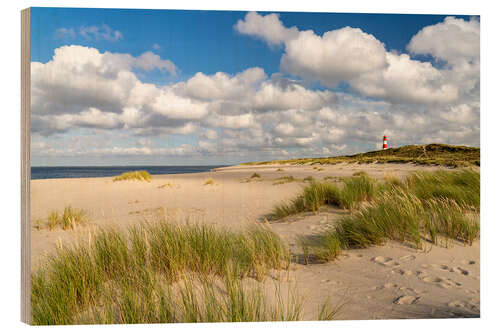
{"x":140,"y":175}
{"x":209,"y":181}
{"x":70,"y":218}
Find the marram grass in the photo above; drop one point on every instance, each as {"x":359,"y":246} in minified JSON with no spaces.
{"x":70,"y":218}
{"x":140,"y":175}
{"x":130,"y":277}
{"x":411,"y":212}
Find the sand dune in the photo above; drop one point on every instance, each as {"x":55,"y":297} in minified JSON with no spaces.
{"x":391,"y":281}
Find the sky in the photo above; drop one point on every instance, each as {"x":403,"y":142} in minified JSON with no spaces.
{"x":160,"y":87}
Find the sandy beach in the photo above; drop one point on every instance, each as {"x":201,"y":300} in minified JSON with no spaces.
{"x":383,"y":282}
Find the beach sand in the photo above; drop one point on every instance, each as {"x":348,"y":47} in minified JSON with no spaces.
{"x":383,"y":282}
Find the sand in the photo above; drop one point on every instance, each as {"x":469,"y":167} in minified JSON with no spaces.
{"x":385,"y":282}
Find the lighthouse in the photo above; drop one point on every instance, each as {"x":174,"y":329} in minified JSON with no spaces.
{"x":385,"y":143}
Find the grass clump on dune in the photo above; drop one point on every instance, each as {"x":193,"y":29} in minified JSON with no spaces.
{"x":209,"y":181}
{"x":317,"y":194}
{"x":312,"y":198}
{"x":70,"y":218}
{"x":255,"y":175}
{"x":140,"y":175}
{"x":432,"y":206}
{"x":284,"y":180}
{"x":140,"y":276}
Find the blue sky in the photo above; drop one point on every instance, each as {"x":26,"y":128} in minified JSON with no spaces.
{"x":299,"y":94}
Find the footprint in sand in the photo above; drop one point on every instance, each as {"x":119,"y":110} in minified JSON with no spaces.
{"x":421,"y":274}
{"x":409,"y":257}
{"x":460,"y":304}
{"x":406,"y":299}
{"x":385,"y":261}
{"x":402,"y":272}
{"x":461,"y":270}
{"x":451,"y":269}
{"x":411,"y":290}
{"x":385,"y":286}
{"x":441,"y":282}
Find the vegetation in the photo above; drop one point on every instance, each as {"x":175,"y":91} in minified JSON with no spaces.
{"x":284,"y":180}
{"x":255,"y":175}
{"x":209,"y":181}
{"x":70,"y":218}
{"x":309,"y":179}
{"x":317,"y":194}
{"x":431,"y":154}
{"x":430,"y":206}
{"x":134,"y":175}
{"x":146,"y":276}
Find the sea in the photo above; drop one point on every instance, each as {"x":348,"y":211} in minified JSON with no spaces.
{"x":111,"y":171}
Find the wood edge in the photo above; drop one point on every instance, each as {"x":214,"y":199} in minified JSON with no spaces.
{"x":25,"y":164}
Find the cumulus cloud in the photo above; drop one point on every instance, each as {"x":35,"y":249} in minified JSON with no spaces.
{"x":407,"y":80}
{"x":453,"y":40}
{"x":252,"y":114}
{"x":268,"y":28}
{"x":358,"y":58}
{"x":338,"y":55}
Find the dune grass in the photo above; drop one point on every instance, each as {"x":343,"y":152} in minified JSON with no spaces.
{"x":140,"y":175}
{"x":128,"y":277}
{"x":430,"y":154}
{"x":284,"y":180}
{"x":70,"y":218}
{"x":209,"y":181}
{"x":255,"y":175}
{"x":427,"y":206}
{"x":317,"y":194}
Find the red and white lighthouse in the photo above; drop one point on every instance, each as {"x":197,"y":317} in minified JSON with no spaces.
{"x":385,"y":143}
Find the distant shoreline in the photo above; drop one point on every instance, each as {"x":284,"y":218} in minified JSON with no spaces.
{"x":72,"y":172}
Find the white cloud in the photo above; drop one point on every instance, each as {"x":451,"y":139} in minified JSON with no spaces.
{"x":268,"y":28}
{"x":221,"y":85}
{"x":252,"y":114}
{"x":358,"y":58}
{"x":338,"y":55}
{"x":65,"y":33}
{"x":156,"y":46}
{"x":210,"y":134}
{"x":453,"y":40}
{"x":102,"y":32}
{"x":407,"y":80}
{"x":149,"y":61}
{"x":272,"y":96}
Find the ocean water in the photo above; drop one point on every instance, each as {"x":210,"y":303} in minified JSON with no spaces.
{"x":111,"y":171}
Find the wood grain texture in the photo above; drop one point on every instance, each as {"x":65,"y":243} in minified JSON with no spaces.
{"x":25,"y":164}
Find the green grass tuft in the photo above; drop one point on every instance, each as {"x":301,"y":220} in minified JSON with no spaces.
{"x":410,"y":212}
{"x":141,"y":276}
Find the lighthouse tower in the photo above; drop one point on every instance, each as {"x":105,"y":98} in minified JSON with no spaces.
{"x":385,"y":143}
